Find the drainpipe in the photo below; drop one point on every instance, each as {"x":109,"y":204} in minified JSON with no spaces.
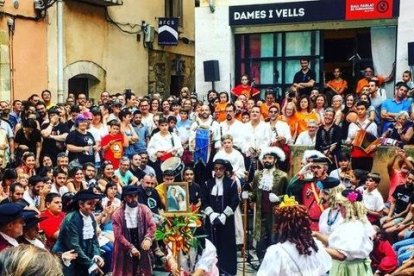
{"x":60,"y":84}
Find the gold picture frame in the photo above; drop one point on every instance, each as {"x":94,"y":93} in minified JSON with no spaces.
{"x":177,"y":198}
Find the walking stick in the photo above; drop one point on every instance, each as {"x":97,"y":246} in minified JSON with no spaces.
{"x":245,"y":226}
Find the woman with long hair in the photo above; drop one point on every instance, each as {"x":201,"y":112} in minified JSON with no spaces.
{"x":28,"y":138}
{"x":98,"y":129}
{"x":155,"y":106}
{"x":304,"y":114}
{"x":289,"y":116}
{"x":28,"y":165}
{"x":76,"y":180}
{"x":320,"y":105}
{"x":350,"y":252}
{"x":296,"y":252}
{"x":220,"y":110}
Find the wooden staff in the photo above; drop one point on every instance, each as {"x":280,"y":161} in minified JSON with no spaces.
{"x":244,"y":232}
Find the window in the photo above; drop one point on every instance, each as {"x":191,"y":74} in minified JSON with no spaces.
{"x":272,"y":59}
{"x":174,"y":8}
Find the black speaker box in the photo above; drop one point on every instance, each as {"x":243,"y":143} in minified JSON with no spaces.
{"x":211,"y":70}
{"x":411,"y":53}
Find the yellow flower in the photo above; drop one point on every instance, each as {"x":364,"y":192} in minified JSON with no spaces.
{"x":288,"y":201}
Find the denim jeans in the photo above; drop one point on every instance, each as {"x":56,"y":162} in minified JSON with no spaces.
{"x":402,"y":249}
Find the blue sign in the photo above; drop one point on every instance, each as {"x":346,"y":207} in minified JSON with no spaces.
{"x":168,"y":31}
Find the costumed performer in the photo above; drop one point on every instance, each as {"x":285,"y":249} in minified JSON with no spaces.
{"x":296,"y":253}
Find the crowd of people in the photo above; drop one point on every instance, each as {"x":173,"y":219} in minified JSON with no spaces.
{"x":90,"y":183}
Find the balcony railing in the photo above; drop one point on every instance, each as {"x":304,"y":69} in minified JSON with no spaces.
{"x":103,"y":2}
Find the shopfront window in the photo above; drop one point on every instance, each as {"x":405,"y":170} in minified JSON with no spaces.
{"x":272,"y":59}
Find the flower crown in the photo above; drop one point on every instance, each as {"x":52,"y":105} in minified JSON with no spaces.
{"x":288,"y":201}
{"x":352,"y":195}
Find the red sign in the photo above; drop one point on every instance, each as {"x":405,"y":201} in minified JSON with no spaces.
{"x":368,"y":9}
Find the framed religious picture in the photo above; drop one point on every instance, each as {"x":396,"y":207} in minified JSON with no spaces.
{"x":177,"y":198}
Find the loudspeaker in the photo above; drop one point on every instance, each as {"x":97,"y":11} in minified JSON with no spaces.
{"x":211,"y":70}
{"x":411,"y":53}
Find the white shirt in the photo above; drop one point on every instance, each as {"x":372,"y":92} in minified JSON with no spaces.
{"x":131,"y":215}
{"x":148,"y":121}
{"x":9,"y":239}
{"x":266,"y":182}
{"x":167,"y":143}
{"x":305,"y":139}
{"x":61,"y":191}
{"x":218,"y":188}
{"x":353,"y":128}
{"x":236,"y":160}
{"x":257,"y":137}
{"x":281,"y":129}
{"x":329,"y":221}
{"x":33,"y":202}
{"x":236,"y":130}
{"x":36,"y":242}
{"x":209,"y":124}
{"x":373,"y":200}
{"x":283,"y":259}
{"x":353,"y":239}
{"x":87,"y":229}
{"x":97,"y":134}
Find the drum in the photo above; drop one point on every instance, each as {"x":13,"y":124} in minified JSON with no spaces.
{"x":174,"y":164}
{"x":364,"y":140}
{"x":202,"y":145}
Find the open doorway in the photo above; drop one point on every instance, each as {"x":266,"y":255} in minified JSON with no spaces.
{"x":82,"y":83}
{"x":348,"y":49}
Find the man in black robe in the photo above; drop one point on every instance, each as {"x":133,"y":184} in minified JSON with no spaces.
{"x":220,"y":201}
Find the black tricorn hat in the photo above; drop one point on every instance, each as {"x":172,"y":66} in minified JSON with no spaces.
{"x":225,"y":163}
{"x":10,"y":212}
{"x":129,"y":190}
{"x":86,"y":195}
{"x":31,"y":219}
{"x":329,"y":183}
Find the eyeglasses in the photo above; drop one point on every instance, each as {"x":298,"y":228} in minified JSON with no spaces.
{"x":275,"y":111}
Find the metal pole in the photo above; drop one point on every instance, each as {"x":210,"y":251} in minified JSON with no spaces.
{"x":60,"y":84}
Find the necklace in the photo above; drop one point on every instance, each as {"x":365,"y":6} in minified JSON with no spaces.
{"x":331,"y":221}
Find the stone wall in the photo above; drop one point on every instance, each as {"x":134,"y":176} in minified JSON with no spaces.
{"x":381,"y":159}
{"x":162,"y":65}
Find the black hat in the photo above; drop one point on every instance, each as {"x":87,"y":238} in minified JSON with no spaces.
{"x":86,"y":195}
{"x":31,"y":219}
{"x":328,"y":183}
{"x":34,"y":179}
{"x":321,"y":160}
{"x":225,"y":163}
{"x":129,"y":190}
{"x":10,"y":212}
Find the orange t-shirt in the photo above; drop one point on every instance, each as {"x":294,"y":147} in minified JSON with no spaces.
{"x":292,"y":122}
{"x":220,"y":112}
{"x":338,"y":85}
{"x":303,"y":119}
{"x":364,"y":82}
{"x":264,"y":109}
